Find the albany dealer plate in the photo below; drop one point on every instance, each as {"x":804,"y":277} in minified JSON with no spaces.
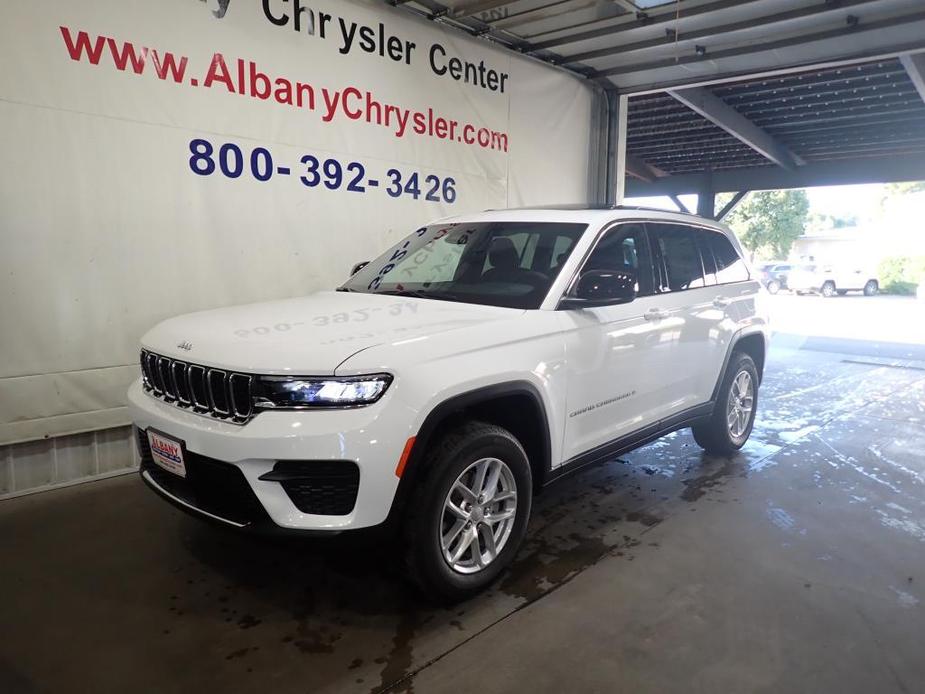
{"x":167,"y":452}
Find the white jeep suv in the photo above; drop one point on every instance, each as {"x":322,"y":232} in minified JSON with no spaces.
{"x":831,"y":280}
{"x":473,"y":362}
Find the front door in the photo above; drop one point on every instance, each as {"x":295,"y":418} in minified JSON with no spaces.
{"x":620,"y":358}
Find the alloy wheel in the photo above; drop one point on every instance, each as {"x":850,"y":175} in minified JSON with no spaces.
{"x":478,"y":515}
{"x":740,"y":404}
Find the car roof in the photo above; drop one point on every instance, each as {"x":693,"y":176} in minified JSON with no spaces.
{"x":588,"y":214}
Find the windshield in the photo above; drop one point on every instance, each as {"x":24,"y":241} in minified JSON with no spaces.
{"x":511,"y":264}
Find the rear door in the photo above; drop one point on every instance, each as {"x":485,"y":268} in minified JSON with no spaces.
{"x":733,"y":305}
{"x":703,"y":283}
{"x":686,"y":288}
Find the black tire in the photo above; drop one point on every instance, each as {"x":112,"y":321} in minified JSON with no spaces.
{"x":871,"y":288}
{"x":714,"y":435}
{"x":444,"y":462}
{"x":773,"y":287}
{"x":828,"y":289}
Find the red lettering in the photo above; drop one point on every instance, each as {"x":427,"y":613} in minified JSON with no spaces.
{"x":259,"y":83}
{"x":121,"y":58}
{"x":169,"y":65}
{"x":218,"y":72}
{"x":76,"y":51}
{"x":355,"y":93}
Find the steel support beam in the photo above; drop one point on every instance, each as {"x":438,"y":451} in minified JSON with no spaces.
{"x":712,"y":32}
{"x":915,"y":68}
{"x":731,"y":205}
{"x":837,"y":172}
{"x":679,"y":204}
{"x":622,"y":113}
{"x":780,"y":44}
{"x":719,"y":112}
{"x":626,"y":5}
{"x":642,"y":170}
{"x":706,"y":195}
{"x":664,"y":14}
{"x":615,"y":166}
{"x":725,"y":76}
{"x":467,"y":9}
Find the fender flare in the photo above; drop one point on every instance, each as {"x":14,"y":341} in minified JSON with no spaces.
{"x":737,"y":337}
{"x":438,"y":415}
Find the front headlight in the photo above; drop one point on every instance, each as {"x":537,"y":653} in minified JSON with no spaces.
{"x":285,"y":392}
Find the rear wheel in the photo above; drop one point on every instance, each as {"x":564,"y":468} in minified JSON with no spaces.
{"x":828,"y":288}
{"x":733,"y":417}
{"x":773,"y":286}
{"x":871,"y":288}
{"x":468,"y":516}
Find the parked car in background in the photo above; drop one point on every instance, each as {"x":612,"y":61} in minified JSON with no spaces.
{"x":829,"y":280}
{"x":774,"y":276}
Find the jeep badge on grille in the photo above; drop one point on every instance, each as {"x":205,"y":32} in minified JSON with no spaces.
{"x":185,"y":345}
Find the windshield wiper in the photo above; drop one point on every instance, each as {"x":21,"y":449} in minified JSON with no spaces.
{"x":421,"y":294}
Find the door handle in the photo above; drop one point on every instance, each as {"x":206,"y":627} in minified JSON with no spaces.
{"x":721,"y":302}
{"x":655,"y":314}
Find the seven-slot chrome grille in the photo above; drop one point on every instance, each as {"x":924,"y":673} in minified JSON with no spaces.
{"x":202,"y":389}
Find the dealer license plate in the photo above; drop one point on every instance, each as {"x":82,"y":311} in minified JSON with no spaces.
{"x":167,"y":452}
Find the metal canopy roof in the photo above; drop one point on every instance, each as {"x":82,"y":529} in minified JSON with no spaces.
{"x":734,"y":94}
{"x":866,"y":110}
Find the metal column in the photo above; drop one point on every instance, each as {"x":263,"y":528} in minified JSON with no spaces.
{"x":615,"y":139}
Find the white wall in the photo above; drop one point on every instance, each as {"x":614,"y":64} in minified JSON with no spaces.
{"x":105,"y":230}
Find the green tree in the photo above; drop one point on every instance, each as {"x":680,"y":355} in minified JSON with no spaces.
{"x":769,"y":222}
{"x":891,"y":190}
{"x":904,"y":187}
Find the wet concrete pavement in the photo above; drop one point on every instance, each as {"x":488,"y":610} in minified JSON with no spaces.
{"x":797,"y":565}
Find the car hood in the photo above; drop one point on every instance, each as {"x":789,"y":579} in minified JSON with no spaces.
{"x":309,"y":335}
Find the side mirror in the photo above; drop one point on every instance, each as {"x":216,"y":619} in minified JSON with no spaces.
{"x":358,"y":267}
{"x":602,"y":288}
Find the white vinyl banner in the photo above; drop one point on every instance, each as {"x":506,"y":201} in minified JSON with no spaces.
{"x":162,"y":157}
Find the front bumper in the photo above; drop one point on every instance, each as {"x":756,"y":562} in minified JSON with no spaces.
{"x":367,"y":436}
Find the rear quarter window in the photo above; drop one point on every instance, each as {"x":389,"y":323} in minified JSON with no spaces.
{"x":729,"y":266}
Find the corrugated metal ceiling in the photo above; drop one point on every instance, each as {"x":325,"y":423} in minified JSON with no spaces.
{"x":821,"y":77}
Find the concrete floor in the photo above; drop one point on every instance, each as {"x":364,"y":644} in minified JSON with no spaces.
{"x":796,"y":566}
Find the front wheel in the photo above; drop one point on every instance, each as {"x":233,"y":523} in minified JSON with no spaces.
{"x":828,"y":289}
{"x":468,"y":516}
{"x":773,"y":287}
{"x":871,"y":288}
{"x":733,"y":417}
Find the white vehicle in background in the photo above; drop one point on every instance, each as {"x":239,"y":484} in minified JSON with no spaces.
{"x":475,"y":361}
{"x":829,"y":280}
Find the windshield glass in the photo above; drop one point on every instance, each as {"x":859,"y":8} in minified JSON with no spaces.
{"x":511,"y":264}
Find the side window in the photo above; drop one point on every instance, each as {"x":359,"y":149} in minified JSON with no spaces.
{"x":706,"y":254}
{"x":729,"y":266}
{"x":680,"y":257}
{"x":624,"y":248}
